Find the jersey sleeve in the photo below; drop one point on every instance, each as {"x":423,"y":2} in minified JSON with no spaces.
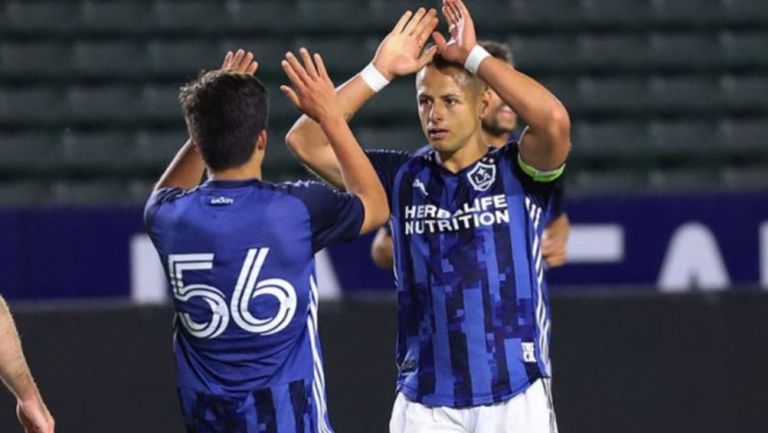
{"x":543,"y":186}
{"x":156,"y":200}
{"x":386,"y":163}
{"x":335,"y":216}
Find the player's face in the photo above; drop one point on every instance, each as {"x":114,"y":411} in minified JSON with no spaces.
{"x":450,"y":107}
{"x":499,"y":117}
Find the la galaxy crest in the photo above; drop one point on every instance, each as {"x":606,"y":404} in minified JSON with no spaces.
{"x":482,"y":176}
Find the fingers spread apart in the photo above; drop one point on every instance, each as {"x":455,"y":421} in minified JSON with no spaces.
{"x":302,"y":77}
{"x":240,"y":61}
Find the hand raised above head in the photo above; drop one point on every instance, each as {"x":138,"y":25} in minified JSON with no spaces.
{"x":311,"y":89}
{"x":402,"y":50}
{"x":240,"y":61}
{"x":462,"y":31}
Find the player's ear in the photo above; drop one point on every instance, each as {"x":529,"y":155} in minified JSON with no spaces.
{"x":485,"y":101}
{"x":261,"y":140}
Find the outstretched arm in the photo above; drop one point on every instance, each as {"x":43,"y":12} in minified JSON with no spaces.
{"x":400,"y":53}
{"x":546,"y":143}
{"x":313,"y":93}
{"x":187,"y":168}
{"x":14,"y":371}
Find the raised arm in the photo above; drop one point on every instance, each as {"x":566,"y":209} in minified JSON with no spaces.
{"x":187,"y":168}
{"x":313,"y":93}
{"x":400,"y":53}
{"x":546,"y":142}
{"x":14,"y":371}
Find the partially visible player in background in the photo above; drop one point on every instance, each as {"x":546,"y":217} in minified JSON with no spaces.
{"x":239,"y":251}
{"x":14,"y":371}
{"x":499,"y":126}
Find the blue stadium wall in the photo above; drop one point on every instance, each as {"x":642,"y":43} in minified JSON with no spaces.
{"x":671,"y":242}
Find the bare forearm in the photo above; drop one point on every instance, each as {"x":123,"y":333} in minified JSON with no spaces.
{"x":544,"y":114}
{"x":311,"y":145}
{"x":351,"y":96}
{"x":13,"y":366}
{"x":185,"y":171}
{"x":356,"y":171}
{"x":353,"y":163}
{"x":382,"y":249}
{"x":555,"y":241}
{"x":559,"y":228}
{"x":529,"y":99}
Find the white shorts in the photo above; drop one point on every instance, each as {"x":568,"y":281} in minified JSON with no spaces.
{"x":529,"y":412}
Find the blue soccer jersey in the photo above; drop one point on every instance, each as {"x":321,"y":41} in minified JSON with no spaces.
{"x":472,"y":300}
{"x":240,"y":259}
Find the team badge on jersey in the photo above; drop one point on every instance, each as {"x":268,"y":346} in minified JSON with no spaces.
{"x":482,"y":176}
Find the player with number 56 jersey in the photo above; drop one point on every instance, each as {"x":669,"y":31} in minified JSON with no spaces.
{"x":239,"y":252}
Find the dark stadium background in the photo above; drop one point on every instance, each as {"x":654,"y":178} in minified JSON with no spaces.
{"x":661,"y":326}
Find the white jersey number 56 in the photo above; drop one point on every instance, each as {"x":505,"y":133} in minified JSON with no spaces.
{"x":248,"y":288}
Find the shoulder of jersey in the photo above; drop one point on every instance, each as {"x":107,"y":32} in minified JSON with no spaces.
{"x":422,"y":151}
{"x":292,"y":185}
{"x":173,"y":193}
{"x":424,"y":154}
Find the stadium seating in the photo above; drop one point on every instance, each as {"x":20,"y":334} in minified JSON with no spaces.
{"x":24,"y":192}
{"x":83,"y":151}
{"x":661,"y":92}
{"x":29,"y":151}
{"x":97,"y":193}
{"x":30,"y":105}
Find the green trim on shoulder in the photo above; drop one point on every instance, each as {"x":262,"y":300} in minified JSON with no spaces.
{"x":540,"y":175}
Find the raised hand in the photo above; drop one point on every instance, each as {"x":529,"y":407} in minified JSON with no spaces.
{"x":240,"y":62}
{"x":462,"y":31}
{"x":313,"y":91}
{"x":400,"y":53}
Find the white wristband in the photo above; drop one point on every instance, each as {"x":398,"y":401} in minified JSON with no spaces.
{"x":476,"y":56}
{"x":373,"y":78}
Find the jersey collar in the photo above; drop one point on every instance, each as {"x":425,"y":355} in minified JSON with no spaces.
{"x":239,"y":183}
{"x":488,"y":158}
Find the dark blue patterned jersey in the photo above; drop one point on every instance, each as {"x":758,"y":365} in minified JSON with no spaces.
{"x":473,"y":311}
{"x":556,"y":206}
{"x":239,"y":256}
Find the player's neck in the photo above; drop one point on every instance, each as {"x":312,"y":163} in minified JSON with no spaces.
{"x":250,"y":170}
{"x":247,"y":171}
{"x":494,"y":139}
{"x":466,"y":155}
